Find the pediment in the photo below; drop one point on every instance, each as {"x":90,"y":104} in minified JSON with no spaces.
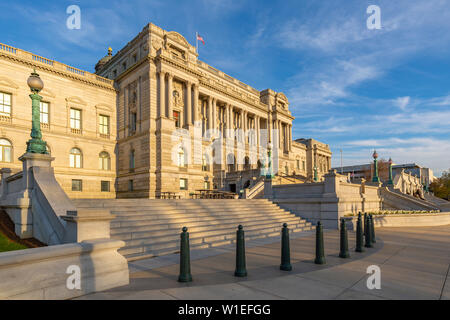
{"x":47,"y":93}
{"x":178,"y":38}
{"x":282,"y":96}
{"x":6,"y":82}
{"x":76,"y":100}
{"x":104,"y":107}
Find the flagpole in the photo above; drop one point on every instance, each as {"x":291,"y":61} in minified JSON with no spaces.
{"x":196,"y":39}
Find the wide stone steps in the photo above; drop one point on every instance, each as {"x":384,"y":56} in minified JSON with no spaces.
{"x":167,"y":247}
{"x":135,"y":226}
{"x":144,"y":232}
{"x":152,"y":227}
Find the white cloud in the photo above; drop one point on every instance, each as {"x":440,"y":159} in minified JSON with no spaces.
{"x":402,"y":102}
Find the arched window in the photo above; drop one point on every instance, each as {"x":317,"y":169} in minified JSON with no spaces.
{"x":76,"y":158}
{"x":181,"y":158}
{"x":104,"y":161}
{"x":5,"y":151}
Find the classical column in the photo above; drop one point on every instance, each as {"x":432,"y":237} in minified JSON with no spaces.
{"x":188,"y":103}
{"x":214,"y":113}
{"x":210,"y":112}
{"x":269,"y":126}
{"x":170,"y":96}
{"x":290,"y":137}
{"x":162,"y":91}
{"x":195,"y":103}
{"x":257,"y":128}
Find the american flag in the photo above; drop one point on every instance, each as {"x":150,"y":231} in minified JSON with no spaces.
{"x":199,"y":37}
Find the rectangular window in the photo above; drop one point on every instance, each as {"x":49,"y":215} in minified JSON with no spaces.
{"x":183,"y":184}
{"x":130,"y":185}
{"x":206,"y":185}
{"x":105,"y":186}
{"x":176,"y":117}
{"x":5,"y":104}
{"x":124,"y":66}
{"x":132,"y":160}
{"x":303,"y":165}
{"x":75,"y":119}
{"x":77,"y":185}
{"x":103,"y":124}
{"x":133,"y":122}
{"x":44,"y":112}
{"x":298,"y":164}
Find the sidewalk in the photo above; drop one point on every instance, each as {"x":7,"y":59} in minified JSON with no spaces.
{"x":414,"y":264}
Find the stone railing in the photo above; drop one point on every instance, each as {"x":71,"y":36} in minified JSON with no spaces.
{"x":57,"y":66}
{"x":80,"y":238}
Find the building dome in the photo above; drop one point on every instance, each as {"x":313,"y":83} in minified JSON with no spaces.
{"x":103,"y":60}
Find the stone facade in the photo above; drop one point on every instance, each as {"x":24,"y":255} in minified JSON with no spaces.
{"x":182,"y":125}
{"x":65,"y":89}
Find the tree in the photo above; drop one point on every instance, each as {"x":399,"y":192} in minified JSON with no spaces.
{"x":441,"y":186}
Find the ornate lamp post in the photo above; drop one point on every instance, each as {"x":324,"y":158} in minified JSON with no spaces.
{"x":391,"y":182}
{"x":36,"y":144}
{"x":316,"y":178}
{"x":375,"y":167}
{"x":269,"y":160}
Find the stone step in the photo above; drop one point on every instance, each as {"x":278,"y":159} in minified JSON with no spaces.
{"x":144,"y":225}
{"x":147,"y":251}
{"x":156,"y":231}
{"x":147,"y":238}
{"x":195,"y":211}
{"x":168,"y":218}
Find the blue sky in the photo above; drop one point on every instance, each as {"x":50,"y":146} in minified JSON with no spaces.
{"x":353,"y":88}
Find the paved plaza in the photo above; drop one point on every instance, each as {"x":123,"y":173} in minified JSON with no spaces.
{"x":414,"y":264}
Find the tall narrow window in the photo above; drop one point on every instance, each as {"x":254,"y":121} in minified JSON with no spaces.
{"x":104,"y":161}
{"x":103,"y":122}
{"x":75,"y":119}
{"x":132,"y":160}
{"x":5,"y":151}
{"x":133,"y":122}
{"x":5,"y":104}
{"x":44,"y":107}
{"x":205,"y":163}
{"x":298,"y":164}
{"x":183,"y":184}
{"x":76,"y":158}
{"x":176,"y":117}
{"x":181,"y":158}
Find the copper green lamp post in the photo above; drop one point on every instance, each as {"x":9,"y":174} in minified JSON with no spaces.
{"x":269,"y":160}
{"x":375,"y":167}
{"x":316,"y":178}
{"x":390,"y":182}
{"x":36,"y":144}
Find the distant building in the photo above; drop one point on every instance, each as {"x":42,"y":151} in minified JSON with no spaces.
{"x":366,"y":171}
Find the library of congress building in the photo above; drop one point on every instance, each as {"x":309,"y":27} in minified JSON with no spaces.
{"x":153,"y":119}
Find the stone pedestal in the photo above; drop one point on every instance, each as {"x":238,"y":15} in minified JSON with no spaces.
{"x":85,"y":224}
{"x":268,"y":191}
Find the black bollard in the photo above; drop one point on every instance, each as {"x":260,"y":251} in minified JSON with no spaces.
{"x":285,"y":250}
{"x":241,"y":270}
{"x":372,"y":229}
{"x":185,"y":259}
{"x":320,"y":252}
{"x":365,"y":222}
{"x":359,"y":234}
{"x":343,"y":253}
{"x":367,"y":233}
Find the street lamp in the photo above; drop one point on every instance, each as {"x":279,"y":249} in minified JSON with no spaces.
{"x":269,"y":159}
{"x":390,"y":182}
{"x":36,"y":144}
{"x":375,"y":167}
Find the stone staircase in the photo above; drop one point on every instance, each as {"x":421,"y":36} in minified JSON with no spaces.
{"x":152,"y":227}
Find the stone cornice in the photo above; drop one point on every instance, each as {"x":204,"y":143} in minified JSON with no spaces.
{"x":58,"y":72}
